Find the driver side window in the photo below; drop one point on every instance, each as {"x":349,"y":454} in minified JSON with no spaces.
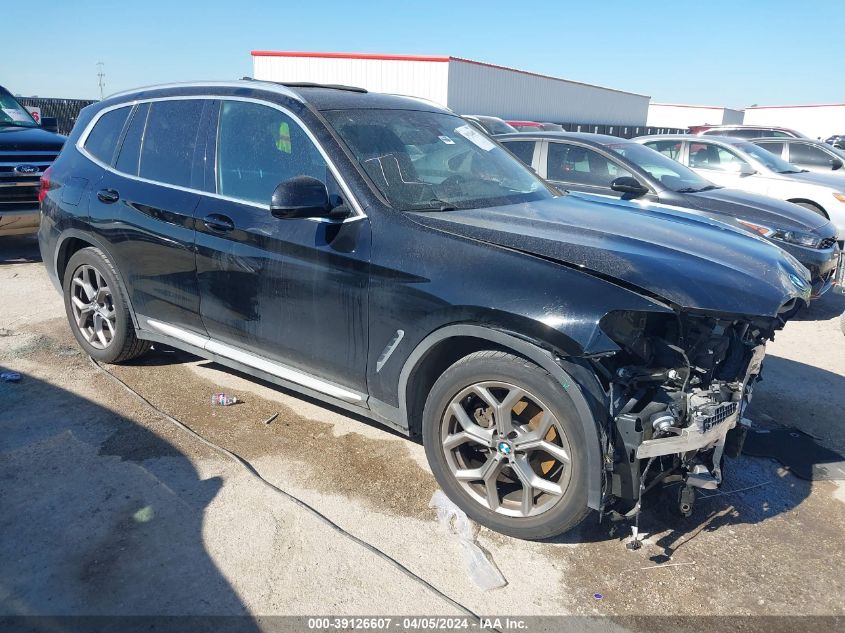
{"x":707,"y":156}
{"x":579,"y":165}
{"x":258,"y":147}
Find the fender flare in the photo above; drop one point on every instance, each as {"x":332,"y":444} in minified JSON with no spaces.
{"x":543,"y":358}
{"x":96,"y":243}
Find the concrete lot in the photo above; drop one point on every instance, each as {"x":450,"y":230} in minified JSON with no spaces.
{"x":109,"y":509}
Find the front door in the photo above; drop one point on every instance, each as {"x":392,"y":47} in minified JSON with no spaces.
{"x":291,"y":291}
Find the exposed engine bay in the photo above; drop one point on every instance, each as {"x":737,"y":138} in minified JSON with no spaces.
{"x":678,"y":390}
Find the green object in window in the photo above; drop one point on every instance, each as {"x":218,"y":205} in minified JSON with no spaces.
{"x":283,"y":142}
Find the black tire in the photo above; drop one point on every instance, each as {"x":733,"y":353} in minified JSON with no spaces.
{"x":123,"y":345}
{"x":497,"y":366}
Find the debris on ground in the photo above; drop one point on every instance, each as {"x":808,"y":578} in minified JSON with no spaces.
{"x":10,"y":376}
{"x":271,"y":418}
{"x":222,"y":400}
{"x":453,"y":520}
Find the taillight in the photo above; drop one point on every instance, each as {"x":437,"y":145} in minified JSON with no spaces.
{"x":45,"y":184}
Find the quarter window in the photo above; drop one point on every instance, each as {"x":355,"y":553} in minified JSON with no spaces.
{"x":259,"y":147}
{"x":570,"y":163}
{"x":102,"y":140}
{"x":523,"y":150}
{"x":170,"y":139}
{"x":707,"y":156}
{"x":803,"y":154}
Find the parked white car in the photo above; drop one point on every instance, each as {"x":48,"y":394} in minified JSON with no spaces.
{"x":739,"y":164}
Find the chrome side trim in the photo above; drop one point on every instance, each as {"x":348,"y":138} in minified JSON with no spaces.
{"x":388,"y":351}
{"x":353,"y":202}
{"x":245,"y":358}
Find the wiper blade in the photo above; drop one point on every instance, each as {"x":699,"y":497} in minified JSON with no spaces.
{"x":434,"y":206}
{"x":15,"y":124}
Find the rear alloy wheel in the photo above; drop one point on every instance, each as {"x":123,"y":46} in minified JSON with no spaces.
{"x":97,"y":310}
{"x":505,"y":443}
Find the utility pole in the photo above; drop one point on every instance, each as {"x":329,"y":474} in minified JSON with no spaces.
{"x":100,"y":77}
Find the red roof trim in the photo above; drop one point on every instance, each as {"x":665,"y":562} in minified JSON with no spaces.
{"x":809,"y":105}
{"x":403,"y":58}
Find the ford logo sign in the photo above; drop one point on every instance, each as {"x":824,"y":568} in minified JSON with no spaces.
{"x":26,"y":169}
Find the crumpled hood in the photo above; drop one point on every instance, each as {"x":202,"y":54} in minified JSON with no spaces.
{"x":690,"y":261}
{"x":29,"y":139}
{"x":756,"y":208}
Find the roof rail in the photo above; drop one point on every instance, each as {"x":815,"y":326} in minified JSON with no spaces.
{"x":307,"y":84}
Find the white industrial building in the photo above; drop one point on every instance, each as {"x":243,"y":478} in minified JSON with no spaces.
{"x":675,"y":115}
{"x":464,"y":86}
{"x":815,"y":121}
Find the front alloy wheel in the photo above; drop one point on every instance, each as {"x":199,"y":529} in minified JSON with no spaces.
{"x":506,"y":444}
{"x":506,"y":449}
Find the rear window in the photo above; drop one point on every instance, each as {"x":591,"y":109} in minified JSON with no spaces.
{"x":102,"y":140}
{"x":170,"y":140}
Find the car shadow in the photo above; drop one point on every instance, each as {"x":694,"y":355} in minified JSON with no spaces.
{"x":19,"y":249}
{"x":100,"y":517}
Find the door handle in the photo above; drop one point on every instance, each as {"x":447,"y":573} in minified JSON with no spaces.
{"x":218,"y":222}
{"x":108,"y":196}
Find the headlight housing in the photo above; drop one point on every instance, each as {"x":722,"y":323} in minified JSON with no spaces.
{"x":791,"y":237}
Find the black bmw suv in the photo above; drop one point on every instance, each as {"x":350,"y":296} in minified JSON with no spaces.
{"x":555,"y":354}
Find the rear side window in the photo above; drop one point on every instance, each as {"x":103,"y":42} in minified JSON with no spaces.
{"x":102,"y":140}
{"x":170,"y":139}
{"x":523,"y":150}
{"x":130,"y":152}
{"x":259,"y":147}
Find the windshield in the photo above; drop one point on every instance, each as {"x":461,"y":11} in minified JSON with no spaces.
{"x":13,"y":113}
{"x":433,"y":161}
{"x":768,"y":159}
{"x":663,"y":169}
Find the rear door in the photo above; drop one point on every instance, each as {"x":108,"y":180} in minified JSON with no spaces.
{"x":143,"y":208}
{"x":291,"y":291}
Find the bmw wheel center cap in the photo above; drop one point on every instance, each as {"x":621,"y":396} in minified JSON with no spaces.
{"x":505,"y":448}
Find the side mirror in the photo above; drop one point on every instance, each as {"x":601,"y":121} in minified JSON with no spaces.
{"x":50,"y":123}
{"x":746,"y":170}
{"x":835,"y":164}
{"x":627,"y":184}
{"x":300,"y":197}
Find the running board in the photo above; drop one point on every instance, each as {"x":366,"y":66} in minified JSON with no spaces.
{"x":251,"y":360}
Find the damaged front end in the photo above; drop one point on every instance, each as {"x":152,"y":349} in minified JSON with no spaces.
{"x":677,"y":390}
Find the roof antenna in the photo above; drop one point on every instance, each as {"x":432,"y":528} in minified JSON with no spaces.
{"x":100,"y":76}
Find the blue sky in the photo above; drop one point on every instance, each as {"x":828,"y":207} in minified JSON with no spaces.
{"x":714,"y":53}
